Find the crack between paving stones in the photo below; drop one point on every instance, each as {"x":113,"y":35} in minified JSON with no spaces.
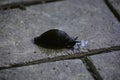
{"x":22,"y":5}
{"x":113,"y":10}
{"x":63,"y":57}
{"x":91,"y":68}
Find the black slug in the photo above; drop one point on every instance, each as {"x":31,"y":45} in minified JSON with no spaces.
{"x":55,"y":39}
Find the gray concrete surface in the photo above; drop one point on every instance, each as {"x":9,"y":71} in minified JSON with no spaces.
{"x":62,"y":70}
{"x":87,"y":21}
{"x":14,"y":1}
{"x":90,"y":20}
{"x":108,"y":65}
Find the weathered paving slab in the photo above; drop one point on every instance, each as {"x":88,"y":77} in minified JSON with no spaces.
{"x":89,"y":20}
{"x":9,"y":1}
{"x":61,"y":70}
{"x":108,"y":65}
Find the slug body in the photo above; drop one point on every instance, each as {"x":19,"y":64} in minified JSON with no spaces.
{"x":55,"y":39}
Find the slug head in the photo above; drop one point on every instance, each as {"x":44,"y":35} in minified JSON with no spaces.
{"x":71,"y":42}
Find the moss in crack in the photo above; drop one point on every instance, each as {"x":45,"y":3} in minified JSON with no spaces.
{"x":113,"y":10}
{"x":91,"y":68}
{"x":64,"y":57}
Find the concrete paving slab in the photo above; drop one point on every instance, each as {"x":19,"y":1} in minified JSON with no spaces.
{"x":61,"y":70}
{"x":108,"y":65}
{"x":89,"y":20}
{"x":3,"y":2}
{"x":9,"y":1}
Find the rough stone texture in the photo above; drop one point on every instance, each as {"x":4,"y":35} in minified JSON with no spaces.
{"x":88,"y":19}
{"x":108,"y":65}
{"x":116,"y":4}
{"x":13,"y":1}
{"x":62,"y":70}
